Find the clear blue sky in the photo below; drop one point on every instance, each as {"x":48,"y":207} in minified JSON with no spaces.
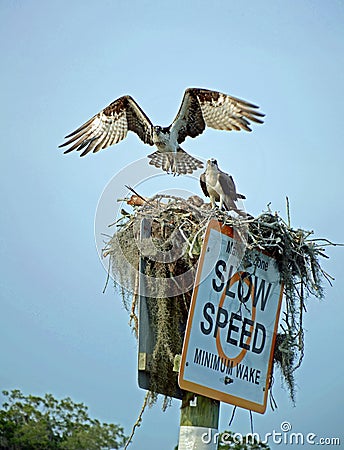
{"x":63,"y":61}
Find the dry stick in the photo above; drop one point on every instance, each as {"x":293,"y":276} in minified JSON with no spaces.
{"x":133,"y":316}
{"x":139,"y":419}
{"x":300,"y":332}
{"x":288,"y":211}
{"x":117,"y":221}
{"x":328,"y":242}
{"x":107,"y":277}
{"x":140,"y":196}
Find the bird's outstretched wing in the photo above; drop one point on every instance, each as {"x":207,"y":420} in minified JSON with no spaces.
{"x":202,"y":107}
{"x":110,"y":126}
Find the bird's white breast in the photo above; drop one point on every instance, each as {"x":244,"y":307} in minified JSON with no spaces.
{"x":211,"y":177}
{"x":165,"y":142}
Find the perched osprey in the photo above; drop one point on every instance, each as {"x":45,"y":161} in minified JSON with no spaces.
{"x":199,"y":108}
{"x":220,"y":187}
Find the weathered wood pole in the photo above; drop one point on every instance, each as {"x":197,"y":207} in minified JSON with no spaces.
{"x":199,"y":417}
{"x":199,"y":421}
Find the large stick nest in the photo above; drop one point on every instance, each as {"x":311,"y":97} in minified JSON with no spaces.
{"x":182,"y":222}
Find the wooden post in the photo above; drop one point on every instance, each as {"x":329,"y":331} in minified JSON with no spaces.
{"x":199,"y":417}
{"x":199,"y":421}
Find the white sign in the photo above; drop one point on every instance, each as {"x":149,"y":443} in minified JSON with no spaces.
{"x":232,"y":324}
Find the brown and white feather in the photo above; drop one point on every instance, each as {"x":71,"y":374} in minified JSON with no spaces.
{"x":202,"y":107}
{"x":110,"y":126}
{"x":179,"y":163}
{"x":199,"y":108}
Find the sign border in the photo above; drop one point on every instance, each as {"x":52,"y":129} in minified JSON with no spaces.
{"x":203,"y":390}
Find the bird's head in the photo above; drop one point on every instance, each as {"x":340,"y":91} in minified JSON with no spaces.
{"x":158,"y":129}
{"x":212,"y":162}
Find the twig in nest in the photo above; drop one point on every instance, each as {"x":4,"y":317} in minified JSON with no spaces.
{"x":202,"y":228}
{"x":328,"y":242}
{"x":288,"y":212}
{"x":117,"y":221}
{"x":140,"y":196}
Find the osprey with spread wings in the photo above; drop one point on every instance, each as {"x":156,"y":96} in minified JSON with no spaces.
{"x":199,"y":108}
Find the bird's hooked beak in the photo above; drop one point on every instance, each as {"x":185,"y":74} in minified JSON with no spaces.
{"x":212,"y":162}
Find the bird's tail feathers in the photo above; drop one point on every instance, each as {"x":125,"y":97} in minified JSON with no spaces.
{"x":229,"y":205}
{"x":175,"y":163}
{"x":235,"y":209}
